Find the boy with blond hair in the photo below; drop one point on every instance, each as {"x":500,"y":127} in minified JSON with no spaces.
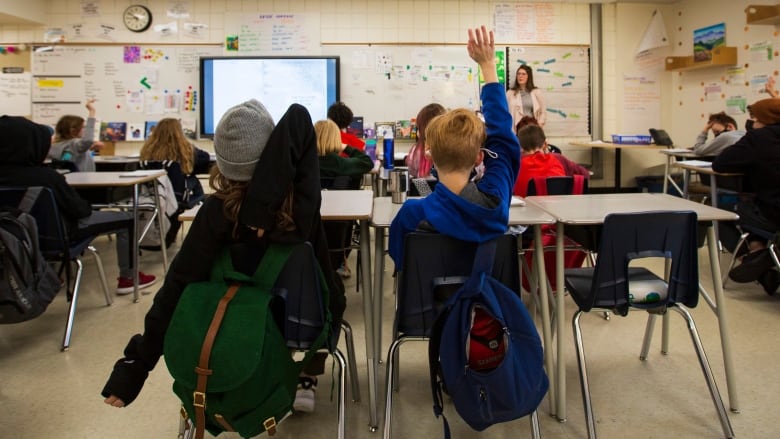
{"x":459,"y":141}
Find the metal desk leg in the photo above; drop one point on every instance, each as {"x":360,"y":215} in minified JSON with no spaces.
{"x":541,"y":281}
{"x":160,"y":220}
{"x":725,"y":337}
{"x":560,"y":310}
{"x":365,"y":266}
{"x":134,"y":259}
{"x":666,"y":173}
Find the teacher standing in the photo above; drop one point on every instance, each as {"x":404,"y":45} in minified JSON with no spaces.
{"x":525,"y":98}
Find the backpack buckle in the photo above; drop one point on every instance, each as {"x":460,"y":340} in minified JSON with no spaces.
{"x":270,"y":426}
{"x":199,"y":399}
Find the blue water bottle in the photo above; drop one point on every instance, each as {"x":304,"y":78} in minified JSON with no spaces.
{"x":388,"y":151}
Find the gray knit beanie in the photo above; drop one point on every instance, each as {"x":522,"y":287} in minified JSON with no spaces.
{"x":240,"y":139}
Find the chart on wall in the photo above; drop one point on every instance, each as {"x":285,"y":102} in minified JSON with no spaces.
{"x":563,"y":75}
{"x":131,"y":84}
{"x":390,"y":83}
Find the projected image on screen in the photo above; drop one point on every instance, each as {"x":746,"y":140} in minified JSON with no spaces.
{"x":277,"y":82}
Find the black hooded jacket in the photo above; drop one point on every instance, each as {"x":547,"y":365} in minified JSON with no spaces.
{"x":23,"y":147}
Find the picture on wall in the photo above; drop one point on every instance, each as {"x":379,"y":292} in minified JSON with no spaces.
{"x":706,"y":39}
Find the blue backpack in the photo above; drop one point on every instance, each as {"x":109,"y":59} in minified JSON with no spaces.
{"x":485,"y":351}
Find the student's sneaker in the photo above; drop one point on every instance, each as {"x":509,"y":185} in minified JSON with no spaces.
{"x":344,"y":271}
{"x":304,"y":396}
{"x":125,"y":285}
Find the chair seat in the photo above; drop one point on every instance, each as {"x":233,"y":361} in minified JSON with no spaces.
{"x":579,"y":281}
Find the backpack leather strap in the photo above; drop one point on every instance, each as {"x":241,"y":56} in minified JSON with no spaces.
{"x":202,"y":369}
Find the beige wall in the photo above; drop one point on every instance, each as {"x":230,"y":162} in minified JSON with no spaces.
{"x":683,"y":111}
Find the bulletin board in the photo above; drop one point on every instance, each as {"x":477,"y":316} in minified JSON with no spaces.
{"x":393,"y":82}
{"x":132,"y":84}
{"x":563,"y":75}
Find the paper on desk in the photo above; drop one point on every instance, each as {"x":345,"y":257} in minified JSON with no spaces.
{"x":698,"y":163}
{"x":517,"y":201}
{"x":140,"y":173}
{"x":677,"y":150}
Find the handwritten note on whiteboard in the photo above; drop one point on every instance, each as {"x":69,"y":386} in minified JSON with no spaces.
{"x":15,"y":93}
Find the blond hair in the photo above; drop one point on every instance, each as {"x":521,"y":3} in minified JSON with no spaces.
{"x":328,"y":137}
{"x":455,"y":139}
{"x":167,"y":142}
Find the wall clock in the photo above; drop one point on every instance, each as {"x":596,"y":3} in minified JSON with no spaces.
{"x":137,"y":18}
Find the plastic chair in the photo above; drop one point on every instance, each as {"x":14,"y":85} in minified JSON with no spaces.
{"x":434,"y":267}
{"x":302,"y":321}
{"x":626,"y":237}
{"x":57,"y":247}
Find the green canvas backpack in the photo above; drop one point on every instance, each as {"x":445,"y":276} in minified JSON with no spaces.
{"x":231,"y":366}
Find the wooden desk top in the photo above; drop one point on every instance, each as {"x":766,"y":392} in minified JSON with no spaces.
{"x":593,"y":208}
{"x":114,"y":179}
{"x":610,"y":145}
{"x":385,"y":210}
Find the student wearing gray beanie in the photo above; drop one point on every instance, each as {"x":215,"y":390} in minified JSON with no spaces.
{"x":240,"y":138}
{"x":266,"y":190}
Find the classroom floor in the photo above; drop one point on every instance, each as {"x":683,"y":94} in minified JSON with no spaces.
{"x":46,"y":393}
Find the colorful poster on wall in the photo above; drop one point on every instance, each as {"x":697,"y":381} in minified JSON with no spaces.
{"x":706,"y":39}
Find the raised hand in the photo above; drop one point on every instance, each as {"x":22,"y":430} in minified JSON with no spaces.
{"x":482,"y":49}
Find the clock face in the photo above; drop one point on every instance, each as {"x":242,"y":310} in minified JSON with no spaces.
{"x":137,"y":18}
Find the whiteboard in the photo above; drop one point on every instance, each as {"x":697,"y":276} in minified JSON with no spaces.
{"x":132,"y":83}
{"x":563,"y":75}
{"x":389,"y":83}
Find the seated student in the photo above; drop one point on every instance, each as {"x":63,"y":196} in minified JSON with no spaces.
{"x":266,"y":186}
{"x":342,"y":115}
{"x":530,"y":120}
{"x":167,"y":143}
{"x":535,"y":162}
{"x":459,"y":141}
{"x":757,"y":156}
{"x":73,"y":140}
{"x":22,"y":154}
{"x":418,"y":160}
{"x":724,"y":131}
{"x":332,"y":164}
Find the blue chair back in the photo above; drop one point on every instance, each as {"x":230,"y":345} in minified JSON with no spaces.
{"x":435,"y":266}
{"x":629,"y":236}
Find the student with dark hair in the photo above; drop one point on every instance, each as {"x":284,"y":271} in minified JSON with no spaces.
{"x":530,"y":120}
{"x":757,"y":157}
{"x":537,"y":162}
{"x":342,"y":115}
{"x":525,"y":98}
{"x":724,"y":131}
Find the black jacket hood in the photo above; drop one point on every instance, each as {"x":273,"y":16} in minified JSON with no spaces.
{"x":23,"y":142}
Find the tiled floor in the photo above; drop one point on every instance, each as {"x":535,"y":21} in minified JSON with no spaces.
{"x":45,"y":393}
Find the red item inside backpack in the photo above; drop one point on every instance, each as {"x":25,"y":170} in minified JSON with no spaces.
{"x":486,"y":343}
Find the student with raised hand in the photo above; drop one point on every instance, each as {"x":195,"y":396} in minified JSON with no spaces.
{"x":724,"y":131}
{"x":525,"y":98}
{"x":168,"y":143}
{"x":459,"y":141}
{"x":74,"y":140}
{"x":22,"y":153}
{"x":266,"y":185}
{"x":418,"y":160}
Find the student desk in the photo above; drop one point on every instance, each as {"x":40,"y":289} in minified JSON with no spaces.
{"x":384,"y":212}
{"x":702,"y":167}
{"x":617,"y":147}
{"x":676,"y":154}
{"x":105,"y":163}
{"x":591,"y":209}
{"x":125,"y":179}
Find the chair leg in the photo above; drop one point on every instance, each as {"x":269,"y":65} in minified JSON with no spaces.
{"x":742,"y":241}
{"x":352,"y":364}
{"x":342,"y":410}
{"x":536,"y":431}
{"x":705,"y":367}
{"x":72,"y":307}
{"x":586,"y":402}
{"x":102,"y":273}
{"x":390,"y":385}
{"x":649,"y":327}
